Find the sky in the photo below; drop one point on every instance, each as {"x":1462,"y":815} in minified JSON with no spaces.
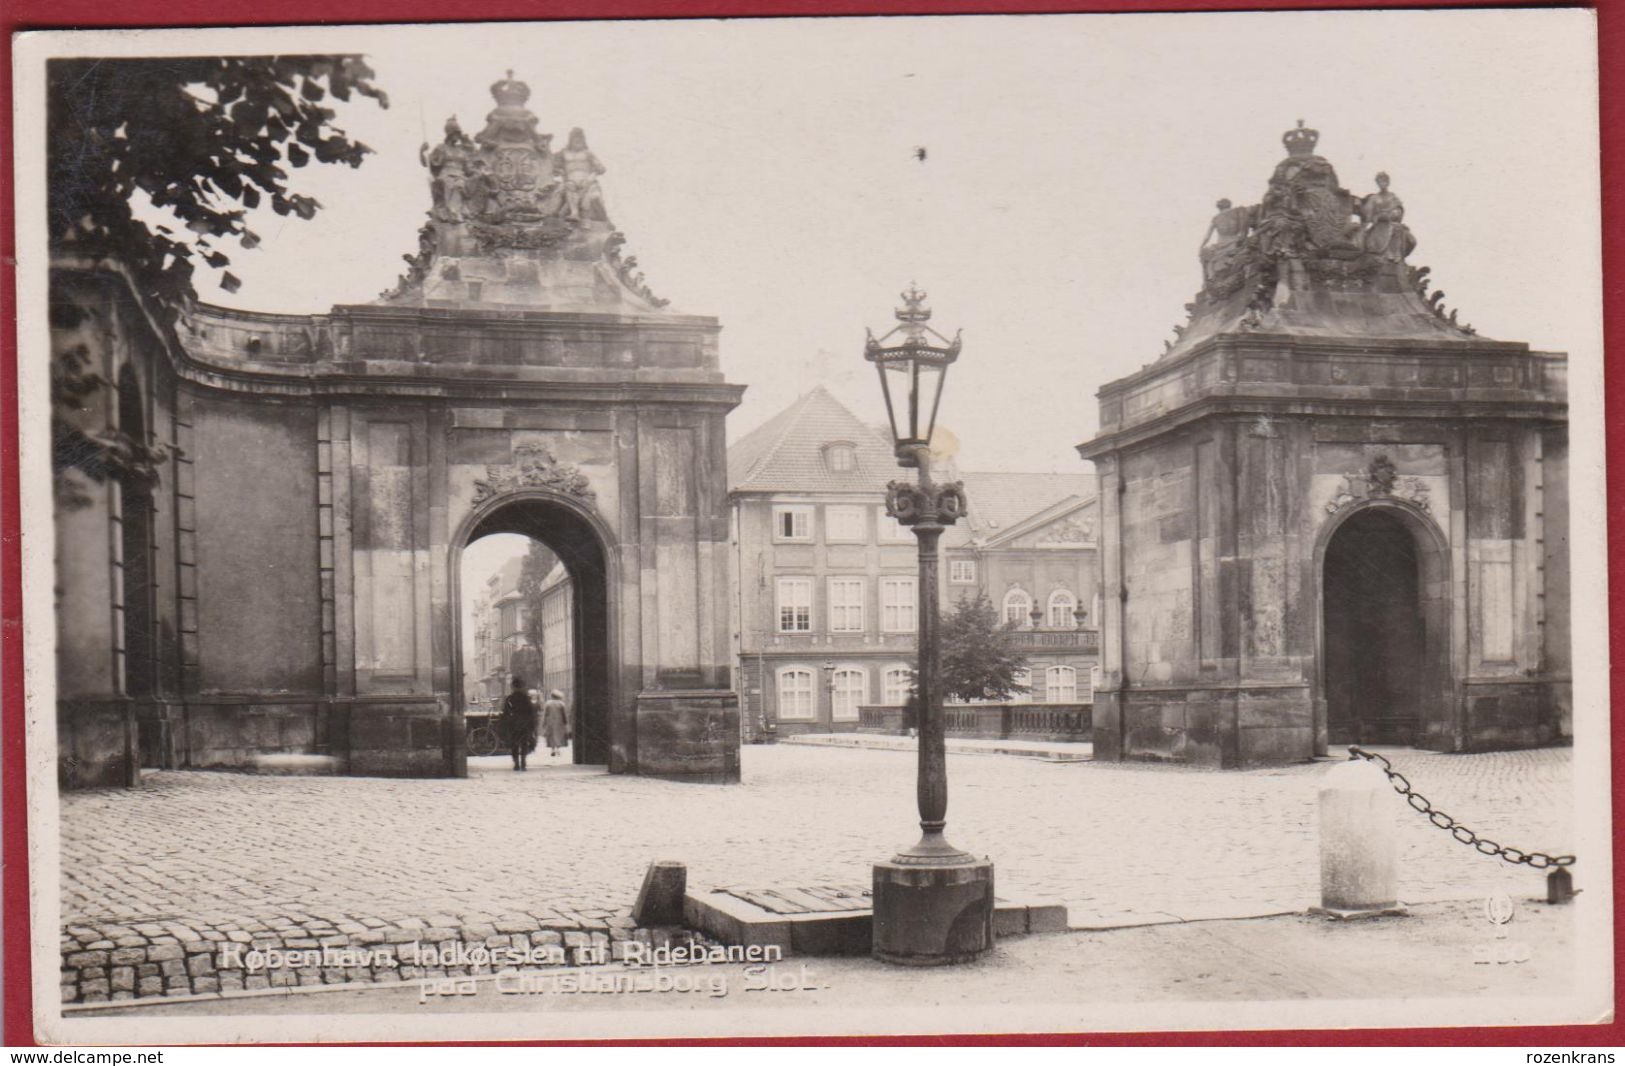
{"x":766,"y":172}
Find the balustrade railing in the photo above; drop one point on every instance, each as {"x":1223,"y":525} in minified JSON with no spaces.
{"x":997,"y":721}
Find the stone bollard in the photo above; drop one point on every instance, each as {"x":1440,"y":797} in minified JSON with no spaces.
{"x":1358,"y":847}
{"x":660,"y":900}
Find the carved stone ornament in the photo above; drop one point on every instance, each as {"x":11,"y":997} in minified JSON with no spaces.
{"x":1381,"y":478}
{"x":1077,"y":531}
{"x":910,"y":504}
{"x":533,"y":467}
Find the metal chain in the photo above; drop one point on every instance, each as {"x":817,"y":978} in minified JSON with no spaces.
{"x":1538,"y":860}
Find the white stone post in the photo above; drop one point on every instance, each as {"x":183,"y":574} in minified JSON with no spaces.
{"x":1358,"y":847}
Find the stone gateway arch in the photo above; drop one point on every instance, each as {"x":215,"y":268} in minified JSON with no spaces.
{"x":273,"y":567}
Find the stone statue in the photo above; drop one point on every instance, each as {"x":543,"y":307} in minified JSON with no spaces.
{"x":448,"y":170}
{"x":1227,"y":232}
{"x":580,"y":169}
{"x":1384,"y":232}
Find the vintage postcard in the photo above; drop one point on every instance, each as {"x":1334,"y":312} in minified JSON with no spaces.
{"x":941,"y":525}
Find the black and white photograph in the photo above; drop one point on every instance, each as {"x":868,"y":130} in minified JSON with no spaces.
{"x":814,"y":526}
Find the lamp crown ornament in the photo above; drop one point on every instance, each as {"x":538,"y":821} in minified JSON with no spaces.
{"x":914,"y":314}
{"x":1300,"y":141}
{"x":510,"y":93}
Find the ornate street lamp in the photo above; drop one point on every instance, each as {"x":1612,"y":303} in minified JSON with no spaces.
{"x":933,"y":904}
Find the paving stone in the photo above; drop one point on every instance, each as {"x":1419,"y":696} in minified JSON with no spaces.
{"x":206,"y":984}
{"x":414,"y":857}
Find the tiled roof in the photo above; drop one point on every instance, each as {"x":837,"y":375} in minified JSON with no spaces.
{"x":786,"y":453}
{"x":1000,"y":501}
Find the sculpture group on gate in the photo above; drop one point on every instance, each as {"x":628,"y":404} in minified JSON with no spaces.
{"x":1308,"y":233}
{"x":507,"y":192}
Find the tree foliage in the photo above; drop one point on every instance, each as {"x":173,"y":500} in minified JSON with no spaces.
{"x":203,"y":138}
{"x":978,"y":656}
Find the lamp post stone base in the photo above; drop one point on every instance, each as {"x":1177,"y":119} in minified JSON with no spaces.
{"x":932,"y":915}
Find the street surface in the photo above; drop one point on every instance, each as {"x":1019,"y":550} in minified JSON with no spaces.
{"x":199,"y":857}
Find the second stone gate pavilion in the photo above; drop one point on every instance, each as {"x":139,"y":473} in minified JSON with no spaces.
{"x":1331,"y":512}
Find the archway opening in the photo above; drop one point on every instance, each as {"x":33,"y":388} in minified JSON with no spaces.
{"x":534,"y":586}
{"x":1379,"y":642}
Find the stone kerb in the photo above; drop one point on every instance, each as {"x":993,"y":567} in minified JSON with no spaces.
{"x":113,"y":962}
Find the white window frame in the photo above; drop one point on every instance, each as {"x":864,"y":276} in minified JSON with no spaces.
{"x":796,"y":698}
{"x":845,"y":607}
{"x":895,"y":695}
{"x":857,"y":534}
{"x":1061,"y":678}
{"x":781,"y":602}
{"x":801,"y":523}
{"x":1010,"y":597}
{"x":893,"y":607}
{"x":962,"y":571}
{"x":1068,"y":619}
{"x":859,"y":692}
{"x":845,"y":448}
{"x":890,"y":530}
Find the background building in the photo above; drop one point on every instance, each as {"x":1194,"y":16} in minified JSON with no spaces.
{"x":825,"y":582}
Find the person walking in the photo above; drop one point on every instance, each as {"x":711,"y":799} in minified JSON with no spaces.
{"x":555,"y":722}
{"x":519,"y":720}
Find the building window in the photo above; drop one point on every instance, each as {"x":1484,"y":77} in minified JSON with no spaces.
{"x":841,"y":458}
{"x":795,"y":605}
{"x":851,"y":689}
{"x":846,"y":605}
{"x":792,"y":523}
{"x":1061,"y":605}
{"x":844,"y":524}
{"x":1018,"y":609}
{"x":1094,"y":683}
{"x":795,"y":692}
{"x":1060,"y":685}
{"x":895,"y":684}
{"x":891,"y":529}
{"x":898,"y":605}
{"x":1024,"y":678}
{"x":962,"y":571}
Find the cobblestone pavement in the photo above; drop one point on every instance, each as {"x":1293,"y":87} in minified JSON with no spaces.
{"x":556,"y":855}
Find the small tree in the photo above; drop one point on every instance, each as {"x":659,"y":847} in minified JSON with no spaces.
{"x":979,"y":660}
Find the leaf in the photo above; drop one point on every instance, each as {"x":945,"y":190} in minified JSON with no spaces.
{"x":230,"y":282}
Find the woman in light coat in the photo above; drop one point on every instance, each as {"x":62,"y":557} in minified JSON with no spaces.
{"x":555,"y":722}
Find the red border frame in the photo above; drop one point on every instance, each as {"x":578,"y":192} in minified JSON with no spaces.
{"x":21,"y":15}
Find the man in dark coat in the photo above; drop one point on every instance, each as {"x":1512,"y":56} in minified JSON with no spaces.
{"x":519,"y":720}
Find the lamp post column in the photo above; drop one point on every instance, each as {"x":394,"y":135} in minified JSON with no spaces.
{"x":933,"y":904}
{"x":932,"y":785}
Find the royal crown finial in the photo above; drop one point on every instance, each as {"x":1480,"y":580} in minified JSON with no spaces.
{"x":913,"y":309}
{"x":1300,"y":141}
{"x":510,"y":93}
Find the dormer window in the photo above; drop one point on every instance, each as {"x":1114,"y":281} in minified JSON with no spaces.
{"x":840,"y":458}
